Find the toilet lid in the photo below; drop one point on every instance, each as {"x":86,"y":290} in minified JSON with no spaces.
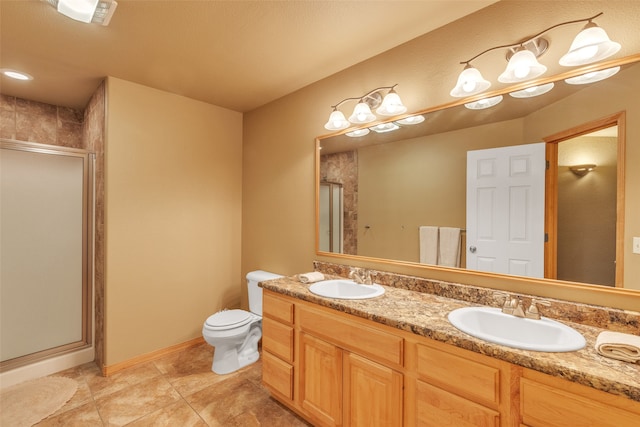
{"x":229,"y":318}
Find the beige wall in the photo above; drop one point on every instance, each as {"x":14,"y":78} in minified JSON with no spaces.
{"x":173,"y":209}
{"x":587,"y":211}
{"x":278,"y":163}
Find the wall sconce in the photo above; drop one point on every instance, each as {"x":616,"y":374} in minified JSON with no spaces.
{"x":87,"y":11}
{"x":391,"y":105}
{"x":590,"y":45}
{"x":582,"y":170}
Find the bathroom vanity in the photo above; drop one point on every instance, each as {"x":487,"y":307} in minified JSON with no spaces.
{"x":395,"y":360}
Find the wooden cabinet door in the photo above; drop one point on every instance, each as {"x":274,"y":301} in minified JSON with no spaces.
{"x":373,"y":393}
{"x":321,"y":380}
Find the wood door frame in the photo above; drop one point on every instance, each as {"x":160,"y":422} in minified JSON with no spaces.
{"x":551,"y":191}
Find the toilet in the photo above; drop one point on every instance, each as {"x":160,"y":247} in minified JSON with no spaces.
{"x":235,"y":333}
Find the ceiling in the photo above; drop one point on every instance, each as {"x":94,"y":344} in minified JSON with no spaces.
{"x":238,"y":55}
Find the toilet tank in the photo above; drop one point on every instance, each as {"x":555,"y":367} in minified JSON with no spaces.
{"x":254,"y":291}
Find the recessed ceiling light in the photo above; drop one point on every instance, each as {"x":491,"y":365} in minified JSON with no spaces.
{"x":15,"y":74}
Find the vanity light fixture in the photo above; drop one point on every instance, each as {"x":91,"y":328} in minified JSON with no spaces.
{"x":522,"y":66}
{"x":411,"y":120}
{"x":362,"y":114}
{"x":590,"y":45}
{"x":358,"y":132}
{"x":592,"y":77}
{"x":385,"y":127}
{"x":87,"y":11}
{"x":532,"y":91}
{"x":470,"y":82}
{"x":582,"y":170}
{"x":15,"y":74}
{"x":391,"y":105}
{"x":484,"y":103}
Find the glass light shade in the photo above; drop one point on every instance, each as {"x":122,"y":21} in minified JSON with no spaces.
{"x":594,"y":76}
{"x":358,"y":132}
{"x":532,"y":91}
{"x":522,"y":66}
{"x":336,"y":121}
{"x":590,"y":45}
{"x":362,"y":114}
{"x":80,"y":10}
{"x":484,"y":103}
{"x":470,"y":82}
{"x":385,"y":127}
{"x":411,"y":120}
{"x":391,"y":105}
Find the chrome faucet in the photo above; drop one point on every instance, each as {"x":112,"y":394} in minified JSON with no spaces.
{"x":360,"y":276}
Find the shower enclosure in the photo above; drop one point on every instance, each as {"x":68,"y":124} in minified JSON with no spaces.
{"x":330,"y":228}
{"x":46,"y":229}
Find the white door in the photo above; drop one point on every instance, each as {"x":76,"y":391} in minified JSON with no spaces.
{"x":505,"y":210}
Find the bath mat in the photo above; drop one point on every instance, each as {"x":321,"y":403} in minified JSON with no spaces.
{"x":27,"y":403}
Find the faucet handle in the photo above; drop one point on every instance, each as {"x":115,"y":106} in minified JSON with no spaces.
{"x":532,"y":311}
{"x":355,"y":274}
{"x":507,"y":306}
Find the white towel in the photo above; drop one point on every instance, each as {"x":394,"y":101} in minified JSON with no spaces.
{"x":314,"y":276}
{"x":449,"y":247}
{"x":428,"y":245}
{"x":616,"y":345}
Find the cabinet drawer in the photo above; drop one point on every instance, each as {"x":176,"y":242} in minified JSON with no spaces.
{"x":436,"y":407}
{"x":353,"y":336}
{"x":543,"y":405}
{"x":462,"y":376}
{"x":277,"y":308}
{"x":277,"y":375}
{"x":277,"y":339}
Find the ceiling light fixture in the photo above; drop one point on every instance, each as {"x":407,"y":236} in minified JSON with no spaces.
{"x":87,"y":11}
{"x":391,"y":105}
{"x":15,"y":74}
{"x":590,"y":45}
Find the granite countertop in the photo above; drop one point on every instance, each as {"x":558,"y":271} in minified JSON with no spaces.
{"x":426,"y":315}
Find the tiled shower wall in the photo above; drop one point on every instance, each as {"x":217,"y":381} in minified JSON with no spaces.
{"x":342,"y":168}
{"x":31,"y":121}
{"x":93,"y":137}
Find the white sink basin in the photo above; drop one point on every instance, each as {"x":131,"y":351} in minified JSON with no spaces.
{"x":345,"y":289}
{"x":491,"y":324}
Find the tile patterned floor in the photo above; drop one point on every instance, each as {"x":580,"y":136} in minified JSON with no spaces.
{"x":176,"y":390}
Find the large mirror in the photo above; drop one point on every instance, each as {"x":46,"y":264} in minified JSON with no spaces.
{"x":384,"y":194}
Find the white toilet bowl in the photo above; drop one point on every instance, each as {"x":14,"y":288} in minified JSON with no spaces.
{"x":235,"y":333}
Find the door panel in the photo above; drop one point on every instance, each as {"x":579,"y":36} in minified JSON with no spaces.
{"x":505,"y":210}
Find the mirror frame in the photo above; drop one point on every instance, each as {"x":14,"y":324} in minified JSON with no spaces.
{"x":603,"y":294}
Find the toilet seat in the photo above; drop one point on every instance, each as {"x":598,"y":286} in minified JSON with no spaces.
{"x":228,"y":319}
